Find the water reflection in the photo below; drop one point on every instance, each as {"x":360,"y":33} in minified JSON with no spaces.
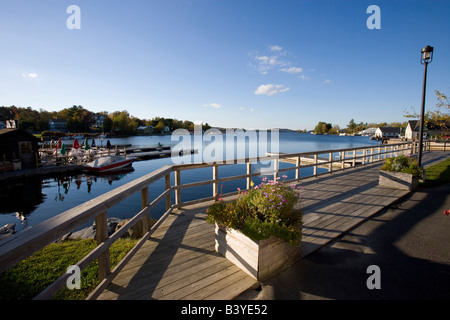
{"x":19,"y":199}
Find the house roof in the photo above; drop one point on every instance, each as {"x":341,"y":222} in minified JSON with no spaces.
{"x":4,"y":132}
{"x":390,"y":129}
{"x":414,"y":124}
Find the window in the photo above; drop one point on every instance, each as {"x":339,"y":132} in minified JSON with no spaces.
{"x":25,"y":147}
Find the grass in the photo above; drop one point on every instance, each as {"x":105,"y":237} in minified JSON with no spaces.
{"x":437,"y":174}
{"x":31,"y":276}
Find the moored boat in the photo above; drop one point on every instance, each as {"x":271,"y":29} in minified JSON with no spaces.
{"x":108,"y":163}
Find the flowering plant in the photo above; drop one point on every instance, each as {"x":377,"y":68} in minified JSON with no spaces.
{"x":262,"y":211}
{"x":403,"y":164}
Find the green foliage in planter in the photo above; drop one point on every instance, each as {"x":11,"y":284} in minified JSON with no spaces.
{"x":263,"y":211}
{"x":403,"y":164}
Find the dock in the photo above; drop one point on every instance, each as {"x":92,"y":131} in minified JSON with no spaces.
{"x":179,"y":262}
{"x":49,"y":154}
{"x":322,"y":162}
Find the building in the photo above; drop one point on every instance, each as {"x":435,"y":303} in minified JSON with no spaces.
{"x":368,"y":132}
{"x":57,"y":125}
{"x":15,"y":145}
{"x":388,"y":132}
{"x":431,"y":129}
{"x":145,"y":130}
{"x":412,"y":130}
{"x":99,"y":121}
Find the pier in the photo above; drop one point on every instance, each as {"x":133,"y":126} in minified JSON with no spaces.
{"x":176,"y":259}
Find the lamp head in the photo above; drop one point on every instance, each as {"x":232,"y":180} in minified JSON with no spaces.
{"x":426,"y":55}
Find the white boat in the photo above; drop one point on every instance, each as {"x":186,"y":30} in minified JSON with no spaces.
{"x":108,"y":163}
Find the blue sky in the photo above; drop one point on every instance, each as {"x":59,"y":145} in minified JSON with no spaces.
{"x":230,"y":63}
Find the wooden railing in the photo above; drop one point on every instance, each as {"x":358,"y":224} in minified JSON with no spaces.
{"x":17,"y":248}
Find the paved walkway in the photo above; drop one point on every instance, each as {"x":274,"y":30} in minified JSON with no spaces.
{"x":408,"y":241}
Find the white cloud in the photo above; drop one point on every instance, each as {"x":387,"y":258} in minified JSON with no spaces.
{"x":213,"y":105}
{"x":272,"y":59}
{"x":327,"y":81}
{"x":29,"y":75}
{"x":276,"y":48}
{"x":270,"y":89}
{"x":292,"y":70}
{"x":266,"y":63}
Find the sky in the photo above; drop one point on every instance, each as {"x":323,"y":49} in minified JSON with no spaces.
{"x":229,"y":63}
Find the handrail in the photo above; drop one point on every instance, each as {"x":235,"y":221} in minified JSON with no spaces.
{"x":15,"y":249}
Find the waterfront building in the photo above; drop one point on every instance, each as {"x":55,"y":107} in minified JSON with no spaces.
{"x":388,"y":132}
{"x":412,"y":130}
{"x":57,"y":125}
{"x":18,"y":148}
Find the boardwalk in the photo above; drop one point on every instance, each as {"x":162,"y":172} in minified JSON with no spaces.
{"x":179,"y":260}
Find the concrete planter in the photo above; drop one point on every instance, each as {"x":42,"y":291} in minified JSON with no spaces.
{"x":260,"y":259}
{"x":398,"y":180}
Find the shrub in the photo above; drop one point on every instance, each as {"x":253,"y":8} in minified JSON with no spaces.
{"x":263,"y":211}
{"x":403,"y":164}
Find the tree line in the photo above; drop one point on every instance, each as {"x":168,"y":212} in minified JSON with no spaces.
{"x":353,"y":127}
{"x":81,"y":120}
{"x":438,"y":118}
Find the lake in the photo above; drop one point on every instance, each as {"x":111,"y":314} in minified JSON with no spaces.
{"x":31,"y":201}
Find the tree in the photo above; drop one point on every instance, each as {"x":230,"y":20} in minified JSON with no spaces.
{"x":437,"y":118}
{"x":352,"y":125}
{"x":322,"y":127}
{"x":78,"y":118}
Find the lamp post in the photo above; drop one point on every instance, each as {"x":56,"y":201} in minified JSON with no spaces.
{"x":426,"y":56}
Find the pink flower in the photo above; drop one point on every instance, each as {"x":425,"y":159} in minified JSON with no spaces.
{"x":447,"y":212}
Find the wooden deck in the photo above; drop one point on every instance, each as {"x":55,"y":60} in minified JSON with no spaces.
{"x":179,"y":261}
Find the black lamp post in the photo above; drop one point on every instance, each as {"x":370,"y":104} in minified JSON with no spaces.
{"x":426,"y":56}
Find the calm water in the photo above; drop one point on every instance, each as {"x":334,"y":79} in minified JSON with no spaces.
{"x":30,"y":202}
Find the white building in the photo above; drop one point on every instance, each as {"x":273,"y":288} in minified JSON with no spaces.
{"x":368,"y":132}
{"x":388,"y":132}
{"x":412,"y":130}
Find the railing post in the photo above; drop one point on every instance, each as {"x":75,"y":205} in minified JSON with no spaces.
{"x":315,"y":165}
{"x":249,"y":172}
{"x":144,"y":203}
{"x":364,"y":156}
{"x":297,"y":170}
{"x":276,"y":165}
{"x":216,"y":182}
{"x":101,"y":233}
{"x":177,"y":184}
{"x":330,"y":165}
{"x":354,"y":158}
{"x":167,"y":186}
